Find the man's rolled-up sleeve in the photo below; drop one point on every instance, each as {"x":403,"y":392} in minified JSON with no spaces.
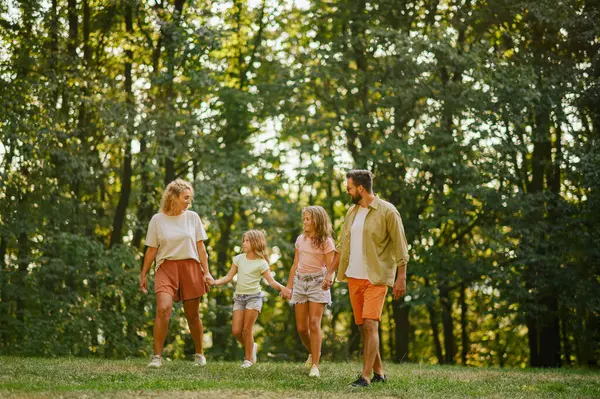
{"x":400,"y":245}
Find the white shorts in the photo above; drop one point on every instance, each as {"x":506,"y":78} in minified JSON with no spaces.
{"x":308,"y":288}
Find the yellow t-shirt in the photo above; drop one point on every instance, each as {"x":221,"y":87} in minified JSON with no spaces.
{"x":249,"y":274}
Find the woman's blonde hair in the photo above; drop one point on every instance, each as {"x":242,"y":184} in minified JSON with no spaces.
{"x":323,"y":228}
{"x":258,"y":242}
{"x":173,"y":190}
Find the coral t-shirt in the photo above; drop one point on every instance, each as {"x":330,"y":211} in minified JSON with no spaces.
{"x":312,"y":260}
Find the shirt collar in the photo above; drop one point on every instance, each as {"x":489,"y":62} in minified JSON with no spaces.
{"x":375,"y":203}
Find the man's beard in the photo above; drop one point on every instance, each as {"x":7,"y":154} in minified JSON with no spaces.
{"x":355,"y":199}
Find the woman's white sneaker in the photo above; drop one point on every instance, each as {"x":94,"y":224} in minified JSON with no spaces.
{"x":156,"y":361}
{"x":199,"y":360}
{"x":314,"y":371}
{"x":246,"y":364}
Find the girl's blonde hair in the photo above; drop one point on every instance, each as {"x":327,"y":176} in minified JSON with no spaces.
{"x":258,"y":242}
{"x":173,"y":190}
{"x":323,"y":228}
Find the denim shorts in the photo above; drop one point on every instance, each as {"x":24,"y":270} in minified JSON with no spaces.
{"x":248,"y":301}
{"x":307,"y":288}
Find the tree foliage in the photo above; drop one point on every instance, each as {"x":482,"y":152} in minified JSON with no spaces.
{"x":479,"y":119}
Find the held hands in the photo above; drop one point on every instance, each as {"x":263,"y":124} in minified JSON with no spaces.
{"x":327,"y":282}
{"x":285,"y":293}
{"x":143,"y":284}
{"x":399,"y":289}
{"x":208,"y":279}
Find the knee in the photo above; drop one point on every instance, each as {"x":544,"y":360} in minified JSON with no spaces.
{"x":237,"y":333}
{"x":164,"y":312}
{"x":192,"y":317}
{"x":371,"y":326}
{"x":314,"y":325}
{"x":302,"y":329}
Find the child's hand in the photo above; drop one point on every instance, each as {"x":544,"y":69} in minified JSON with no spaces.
{"x":209,"y":280}
{"x":286,"y":293}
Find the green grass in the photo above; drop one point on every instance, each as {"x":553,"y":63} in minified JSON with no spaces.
{"x":73,"y":377}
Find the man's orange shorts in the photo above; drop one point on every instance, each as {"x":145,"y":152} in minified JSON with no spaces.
{"x":182,"y":279}
{"x":367,"y":299}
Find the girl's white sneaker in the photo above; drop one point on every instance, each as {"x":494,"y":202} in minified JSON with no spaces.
{"x":156,"y":361}
{"x":308,"y":363}
{"x":314,"y":371}
{"x":246,"y":364}
{"x":199,"y":360}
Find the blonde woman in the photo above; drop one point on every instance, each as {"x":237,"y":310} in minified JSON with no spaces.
{"x":250,"y":266}
{"x":175,"y":240}
{"x":314,"y":252}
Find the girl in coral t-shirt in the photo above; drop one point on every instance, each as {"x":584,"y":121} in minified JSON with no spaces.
{"x":314,"y":251}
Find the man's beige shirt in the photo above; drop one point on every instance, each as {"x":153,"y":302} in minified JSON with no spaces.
{"x":385,"y":248}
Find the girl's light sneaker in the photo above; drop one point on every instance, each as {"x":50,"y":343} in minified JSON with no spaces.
{"x":314,"y":371}
{"x":156,"y":361}
{"x":254,"y":350}
{"x":246,"y":364}
{"x":199,"y":360}
{"x":308,"y":363}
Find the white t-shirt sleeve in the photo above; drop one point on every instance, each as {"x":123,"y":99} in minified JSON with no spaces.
{"x":152,"y":234}
{"x":200,"y":232}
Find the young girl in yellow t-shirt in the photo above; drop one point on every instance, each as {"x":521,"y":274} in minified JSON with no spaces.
{"x":250,"y":266}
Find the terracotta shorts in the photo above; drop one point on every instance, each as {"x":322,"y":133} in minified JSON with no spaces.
{"x":367,"y":299}
{"x":183,"y":279}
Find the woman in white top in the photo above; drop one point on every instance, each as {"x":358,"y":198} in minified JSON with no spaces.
{"x":175,"y":240}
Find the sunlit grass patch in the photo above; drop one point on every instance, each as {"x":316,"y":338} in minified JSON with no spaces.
{"x":74,"y":377}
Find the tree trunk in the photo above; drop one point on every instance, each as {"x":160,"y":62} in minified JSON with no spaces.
{"x":436,"y":334}
{"x":119,"y":219}
{"x":463,"y":323}
{"x":144,"y":210}
{"x":170,"y":46}
{"x":434,"y":329}
{"x":402,"y":330}
{"x":448,"y":323}
{"x":23,"y":259}
{"x":566,"y":346}
{"x":72,"y":43}
{"x":4,"y":314}
{"x":355,"y":338}
{"x":545,"y":337}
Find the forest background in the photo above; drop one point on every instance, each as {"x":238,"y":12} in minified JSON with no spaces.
{"x":479,"y":119}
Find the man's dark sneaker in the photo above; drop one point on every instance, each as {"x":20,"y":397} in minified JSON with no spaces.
{"x":361,"y":382}
{"x":378,"y":378}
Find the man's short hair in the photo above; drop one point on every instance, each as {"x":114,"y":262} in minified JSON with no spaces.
{"x":361,"y":177}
